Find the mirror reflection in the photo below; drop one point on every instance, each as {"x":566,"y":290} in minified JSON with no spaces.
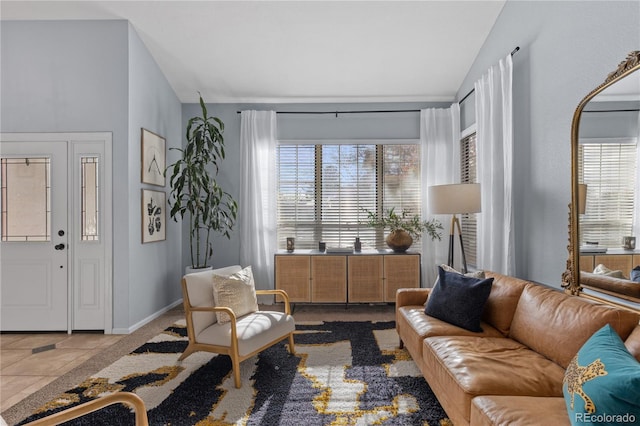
{"x":609,"y":193}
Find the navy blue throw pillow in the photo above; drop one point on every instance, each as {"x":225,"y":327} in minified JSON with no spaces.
{"x":459,"y":300}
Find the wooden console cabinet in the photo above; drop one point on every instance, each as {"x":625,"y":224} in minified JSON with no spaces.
{"x":309,"y":276}
{"x":614,"y":259}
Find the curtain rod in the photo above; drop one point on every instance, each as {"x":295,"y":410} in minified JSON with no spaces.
{"x":513,"y":52}
{"x":612,"y":110}
{"x":346,"y":112}
{"x":370,"y":111}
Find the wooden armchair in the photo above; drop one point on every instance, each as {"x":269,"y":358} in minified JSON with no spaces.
{"x":241,"y":337}
{"x":128,"y":398}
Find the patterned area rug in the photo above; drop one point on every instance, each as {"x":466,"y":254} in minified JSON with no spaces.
{"x":343,"y":373}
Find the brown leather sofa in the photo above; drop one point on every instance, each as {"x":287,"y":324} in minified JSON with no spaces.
{"x":617,"y":287}
{"x":512,"y":371}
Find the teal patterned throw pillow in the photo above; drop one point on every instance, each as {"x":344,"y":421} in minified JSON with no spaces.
{"x":602,"y":382}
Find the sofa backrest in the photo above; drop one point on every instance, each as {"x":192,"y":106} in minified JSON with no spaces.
{"x":620,"y":287}
{"x":199,"y":286}
{"x":556,"y":325}
{"x":502,"y":301}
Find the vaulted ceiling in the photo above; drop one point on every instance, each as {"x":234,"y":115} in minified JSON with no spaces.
{"x":297,"y":51}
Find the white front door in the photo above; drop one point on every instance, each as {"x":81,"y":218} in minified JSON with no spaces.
{"x":55,"y":233}
{"x":34,"y":236}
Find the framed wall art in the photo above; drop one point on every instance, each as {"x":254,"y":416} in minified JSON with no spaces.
{"x":154,"y":218}
{"x":154,"y":158}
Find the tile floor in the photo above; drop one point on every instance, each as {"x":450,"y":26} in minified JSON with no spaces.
{"x":22,"y":372}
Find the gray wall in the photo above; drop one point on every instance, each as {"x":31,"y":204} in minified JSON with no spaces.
{"x":96,"y":76}
{"x":567,"y":49}
{"x":156,"y":268}
{"x":621,"y":119}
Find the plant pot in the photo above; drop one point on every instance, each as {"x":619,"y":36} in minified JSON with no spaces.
{"x":191,"y":269}
{"x":399,"y":241}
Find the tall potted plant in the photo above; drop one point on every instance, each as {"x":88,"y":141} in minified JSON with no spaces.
{"x":194,"y":189}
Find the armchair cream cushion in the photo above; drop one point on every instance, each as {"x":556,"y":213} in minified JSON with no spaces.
{"x":236,"y":291}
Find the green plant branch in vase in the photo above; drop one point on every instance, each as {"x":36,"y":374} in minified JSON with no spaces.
{"x":403,"y":227}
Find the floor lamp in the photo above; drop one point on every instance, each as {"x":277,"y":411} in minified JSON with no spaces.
{"x":455,"y":199}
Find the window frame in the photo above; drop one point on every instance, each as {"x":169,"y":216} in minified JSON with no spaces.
{"x":378,"y":233}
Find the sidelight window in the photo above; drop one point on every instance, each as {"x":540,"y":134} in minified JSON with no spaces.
{"x":89,"y":199}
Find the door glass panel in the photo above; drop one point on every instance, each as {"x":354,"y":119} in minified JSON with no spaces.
{"x":89,"y":197}
{"x":26,"y":199}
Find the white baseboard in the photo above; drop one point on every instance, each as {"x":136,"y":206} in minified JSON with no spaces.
{"x":146,"y":320}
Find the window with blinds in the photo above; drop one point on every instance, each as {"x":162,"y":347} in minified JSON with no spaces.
{"x":608,"y":168}
{"x":468,"y":174}
{"x":325,"y":189}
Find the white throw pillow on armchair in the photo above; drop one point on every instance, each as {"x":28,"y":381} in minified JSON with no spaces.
{"x":236,"y":291}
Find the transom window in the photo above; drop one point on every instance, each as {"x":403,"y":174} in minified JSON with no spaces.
{"x":325,"y":190}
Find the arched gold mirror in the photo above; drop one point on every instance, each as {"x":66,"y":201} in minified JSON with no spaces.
{"x":604,"y":214}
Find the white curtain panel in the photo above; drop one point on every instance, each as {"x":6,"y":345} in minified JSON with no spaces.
{"x":439,"y":139}
{"x":494,"y":138}
{"x":257,"y":208}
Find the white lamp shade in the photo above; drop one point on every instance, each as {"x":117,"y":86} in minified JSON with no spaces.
{"x":454,"y":198}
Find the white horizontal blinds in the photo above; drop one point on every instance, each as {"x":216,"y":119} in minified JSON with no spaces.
{"x":608,"y":169}
{"x":323,"y":196}
{"x":349,"y":185}
{"x":296,"y":194}
{"x":401,"y":177}
{"x":468,"y":174}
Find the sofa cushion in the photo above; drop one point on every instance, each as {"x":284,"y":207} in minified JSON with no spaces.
{"x":502,"y":301}
{"x":556,"y":325}
{"x":236,"y":291}
{"x":414,"y":325}
{"x":518,"y":410}
{"x":254,"y":331}
{"x":602,"y":379}
{"x":459,"y":300}
{"x":603,"y":270}
{"x":198,"y":293}
{"x":460,"y":368}
{"x":472,"y":274}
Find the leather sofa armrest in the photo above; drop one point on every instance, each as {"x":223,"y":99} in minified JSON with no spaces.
{"x":411,"y":296}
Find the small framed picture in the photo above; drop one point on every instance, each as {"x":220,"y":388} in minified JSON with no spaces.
{"x":153,"y":216}
{"x":153,"y":157}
